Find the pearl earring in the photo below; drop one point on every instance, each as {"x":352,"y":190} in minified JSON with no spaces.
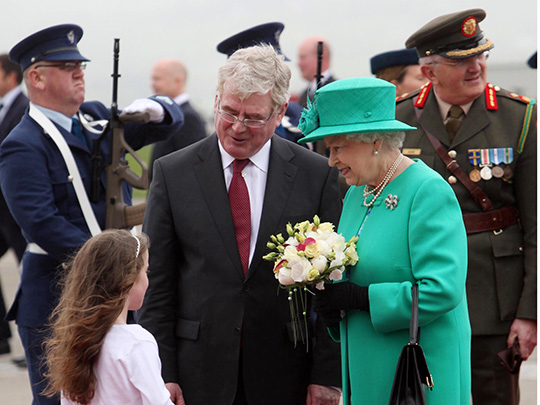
{"x":376,"y":152}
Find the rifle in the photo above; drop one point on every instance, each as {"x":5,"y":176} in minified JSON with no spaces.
{"x":318,"y":77}
{"x":118,"y":213}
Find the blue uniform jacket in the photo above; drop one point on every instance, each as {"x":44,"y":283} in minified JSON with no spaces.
{"x":34,"y":180}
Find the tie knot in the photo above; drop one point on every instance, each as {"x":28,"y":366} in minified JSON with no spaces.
{"x":455,"y":111}
{"x":75,"y":125}
{"x":239,"y":164}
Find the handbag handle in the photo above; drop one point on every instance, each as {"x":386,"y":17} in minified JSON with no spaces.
{"x":414,"y":330}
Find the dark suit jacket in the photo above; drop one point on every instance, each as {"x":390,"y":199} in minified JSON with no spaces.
{"x":192,"y":131}
{"x":199,"y":306}
{"x":302,"y":98}
{"x":501,"y":279}
{"x":13,"y":115}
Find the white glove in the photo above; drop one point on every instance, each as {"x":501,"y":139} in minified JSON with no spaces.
{"x":145,"y":105}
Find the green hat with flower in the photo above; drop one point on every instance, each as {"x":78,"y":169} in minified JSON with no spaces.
{"x":351,"y":106}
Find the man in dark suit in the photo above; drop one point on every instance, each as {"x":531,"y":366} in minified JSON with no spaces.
{"x":169,"y":77}
{"x":482,"y":139}
{"x":222,"y":323}
{"x":13,"y":105}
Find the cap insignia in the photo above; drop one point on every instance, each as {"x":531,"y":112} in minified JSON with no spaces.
{"x":468,"y":28}
{"x":71,"y":37}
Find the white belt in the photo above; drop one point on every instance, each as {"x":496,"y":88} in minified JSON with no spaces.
{"x":34,"y":248}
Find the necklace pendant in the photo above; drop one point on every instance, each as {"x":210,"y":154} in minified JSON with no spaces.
{"x":391,"y":201}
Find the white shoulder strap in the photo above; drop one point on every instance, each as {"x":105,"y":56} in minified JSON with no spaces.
{"x":63,"y":147}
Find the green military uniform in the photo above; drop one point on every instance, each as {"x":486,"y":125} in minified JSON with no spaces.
{"x":498,"y":131}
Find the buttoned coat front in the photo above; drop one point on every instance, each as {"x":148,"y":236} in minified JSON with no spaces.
{"x":501,"y":279}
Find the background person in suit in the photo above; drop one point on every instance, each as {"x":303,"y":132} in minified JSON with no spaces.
{"x":489,"y":134}
{"x":13,"y":105}
{"x":169,"y":77}
{"x":221,"y":322}
{"x":39,"y":188}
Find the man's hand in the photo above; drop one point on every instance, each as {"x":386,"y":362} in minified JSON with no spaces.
{"x":525,"y":331}
{"x":145,"y":105}
{"x":322,"y":395}
{"x":176,"y":393}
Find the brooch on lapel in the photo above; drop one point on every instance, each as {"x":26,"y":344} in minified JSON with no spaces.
{"x":391,"y":201}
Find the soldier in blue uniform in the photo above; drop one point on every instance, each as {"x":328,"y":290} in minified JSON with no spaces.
{"x":34,"y":177}
{"x":268,"y":33}
{"x":482,"y":140}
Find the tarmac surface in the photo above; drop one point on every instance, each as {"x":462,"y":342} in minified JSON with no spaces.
{"x":15,"y":387}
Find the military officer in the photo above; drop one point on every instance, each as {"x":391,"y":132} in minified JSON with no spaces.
{"x":482,"y":139}
{"x":49,"y":202}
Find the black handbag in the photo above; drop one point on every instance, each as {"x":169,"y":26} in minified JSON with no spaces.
{"x":412,"y":373}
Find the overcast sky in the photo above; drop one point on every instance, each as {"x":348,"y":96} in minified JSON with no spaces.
{"x":191,"y":29}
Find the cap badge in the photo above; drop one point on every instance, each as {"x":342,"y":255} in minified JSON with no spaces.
{"x":468,"y":28}
{"x":71,"y":37}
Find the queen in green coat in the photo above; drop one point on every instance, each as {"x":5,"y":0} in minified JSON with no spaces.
{"x":410,"y":231}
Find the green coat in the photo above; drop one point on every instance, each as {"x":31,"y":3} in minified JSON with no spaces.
{"x":501,"y":278}
{"x":417,"y":242}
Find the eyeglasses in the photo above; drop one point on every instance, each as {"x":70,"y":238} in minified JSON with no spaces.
{"x":230,"y":118}
{"x":67,"y":66}
{"x":460,"y":63}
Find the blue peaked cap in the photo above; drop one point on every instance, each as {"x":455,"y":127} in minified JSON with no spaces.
{"x":402,"y":57}
{"x":57,"y":43}
{"x":261,"y":34}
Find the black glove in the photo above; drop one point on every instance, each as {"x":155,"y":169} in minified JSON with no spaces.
{"x":339,"y":296}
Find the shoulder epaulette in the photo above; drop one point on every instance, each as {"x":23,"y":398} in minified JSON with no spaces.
{"x":491,"y":97}
{"x":422,"y":96}
{"x":530,"y":102}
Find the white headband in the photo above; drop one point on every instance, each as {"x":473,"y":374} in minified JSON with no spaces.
{"x":138,"y":245}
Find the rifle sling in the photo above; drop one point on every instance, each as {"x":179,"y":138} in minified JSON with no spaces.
{"x":74,"y":174}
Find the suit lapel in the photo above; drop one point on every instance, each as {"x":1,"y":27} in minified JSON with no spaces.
{"x":279,"y":182}
{"x":209,"y":172}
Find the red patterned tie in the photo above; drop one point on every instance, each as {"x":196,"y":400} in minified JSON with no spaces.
{"x":241,"y":212}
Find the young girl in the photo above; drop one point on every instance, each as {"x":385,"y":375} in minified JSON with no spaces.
{"x":94,"y":356}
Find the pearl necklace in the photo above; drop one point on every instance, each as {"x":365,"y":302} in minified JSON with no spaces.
{"x":386,"y":179}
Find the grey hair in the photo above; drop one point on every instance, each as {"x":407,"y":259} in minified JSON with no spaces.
{"x":390,"y":140}
{"x":428,"y":60}
{"x":257,"y":69}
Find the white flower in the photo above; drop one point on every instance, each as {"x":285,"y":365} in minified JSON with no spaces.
{"x":326,"y":227}
{"x":319,"y":263}
{"x":336,"y":275}
{"x":339,"y":259}
{"x":320,"y":285}
{"x":292,"y":241}
{"x":284,"y":276}
{"x":352,"y":255}
{"x":300,"y":268}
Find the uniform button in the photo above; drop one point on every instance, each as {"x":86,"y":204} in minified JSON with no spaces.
{"x":246,"y":288}
{"x":236,"y":330}
{"x":70,"y":178}
{"x":452,"y":154}
{"x":521,"y":249}
{"x":452,"y":180}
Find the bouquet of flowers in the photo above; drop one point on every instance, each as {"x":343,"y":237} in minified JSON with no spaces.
{"x":312,"y":254}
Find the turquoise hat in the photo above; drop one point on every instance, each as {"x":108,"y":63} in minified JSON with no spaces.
{"x":351,"y":106}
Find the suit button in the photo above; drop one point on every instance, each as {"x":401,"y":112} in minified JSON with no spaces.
{"x":246,"y":288}
{"x":236,"y":330}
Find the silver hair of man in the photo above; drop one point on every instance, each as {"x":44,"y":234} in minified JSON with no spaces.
{"x":256,"y":70}
{"x":391,"y":141}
